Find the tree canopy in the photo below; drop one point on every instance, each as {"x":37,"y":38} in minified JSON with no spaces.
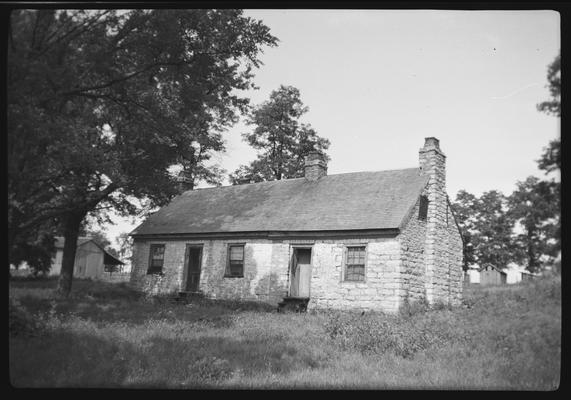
{"x":486,"y":228}
{"x":524,"y":227}
{"x":553,"y":105}
{"x":551,"y":157}
{"x":103,"y":103}
{"x":535,"y":206}
{"x":280,"y":138}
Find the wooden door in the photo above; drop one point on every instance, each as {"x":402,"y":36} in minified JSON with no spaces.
{"x":294,"y":285}
{"x":301,"y":273}
{"x":194,"y":255}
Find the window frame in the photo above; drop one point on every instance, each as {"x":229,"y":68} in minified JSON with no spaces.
{"x":227,"y":269}
{"x":153,"y":270}
{"x":346,"y":264}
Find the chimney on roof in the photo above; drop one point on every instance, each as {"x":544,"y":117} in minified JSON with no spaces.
{"x":315,"y":165}
{"x":433,"y":163}
{"x":432,"y":160}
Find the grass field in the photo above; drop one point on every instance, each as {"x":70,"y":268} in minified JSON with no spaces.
{"x":105,"y":335}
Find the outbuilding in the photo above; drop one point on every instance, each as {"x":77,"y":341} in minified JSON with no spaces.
{"x":91,"y":259}
{"x":492,"y":275}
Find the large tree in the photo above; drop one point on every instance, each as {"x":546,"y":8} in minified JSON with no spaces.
{"x":281,"y":139}
{"x":535,"y":206}
{"x":486,"y":227}
{"x":465,"y":210}
{"x":103,"y":103}
{"x":494,"y":239}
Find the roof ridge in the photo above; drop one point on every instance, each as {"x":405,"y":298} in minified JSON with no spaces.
{"x":295,"y":179}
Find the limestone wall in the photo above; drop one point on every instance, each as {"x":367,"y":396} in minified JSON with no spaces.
{"x":381,"y":289}
{"x":413,"y":243}
{"x":454,"y":249}
{"x":265,"y":269}
{"x":444,"y":284}
{"x":443,"y":244}
{"x":266,"y":272}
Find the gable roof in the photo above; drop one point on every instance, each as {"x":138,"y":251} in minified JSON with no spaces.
{"x":350,"y":201}
{"x":59,"y":241}
{"x":108,"y":258}
{"x":485,"y":266}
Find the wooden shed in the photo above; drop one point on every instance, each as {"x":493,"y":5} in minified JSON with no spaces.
{"x":491,"y":275}
{"x":91,"y":259}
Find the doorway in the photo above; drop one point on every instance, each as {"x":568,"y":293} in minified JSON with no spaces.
{"x":300,"y":272}
{"x":194,"y":262}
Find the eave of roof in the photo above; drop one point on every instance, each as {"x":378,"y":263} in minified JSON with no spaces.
{"x":359,"y":201}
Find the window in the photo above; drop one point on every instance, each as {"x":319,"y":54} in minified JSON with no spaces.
{"x":235,"y":267}
{"x":156,"y":259}
{"x":355,"y":265}
{"x":423,"y":209}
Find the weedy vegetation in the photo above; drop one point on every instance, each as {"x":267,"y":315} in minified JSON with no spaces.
{"x":106,"y":335}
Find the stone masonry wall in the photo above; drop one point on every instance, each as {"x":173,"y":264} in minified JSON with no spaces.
{"x":266,"y":272}
{"x":443,"y":246}
{"x":413,"y":242}
{"x":381,"y":289}
{"x":265,"y":269}
{"x":446,"y":280}
{"x":454,"y":250}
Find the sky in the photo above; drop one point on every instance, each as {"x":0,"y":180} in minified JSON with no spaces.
{"x":377,"y":82}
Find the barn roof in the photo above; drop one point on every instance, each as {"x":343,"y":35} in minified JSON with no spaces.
{"x":108,"y":258}
{"x":59,"y":241}
{"x":494,"y":267}
{"x":349,"y":201}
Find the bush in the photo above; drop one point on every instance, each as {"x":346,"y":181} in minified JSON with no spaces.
{"x":378,"y":334}
{"x":21,"y":323}
{"x":411,"y":308}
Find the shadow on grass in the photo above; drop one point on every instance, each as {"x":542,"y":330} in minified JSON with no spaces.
{"x":104,"y":302}
{"x":72,"y":359}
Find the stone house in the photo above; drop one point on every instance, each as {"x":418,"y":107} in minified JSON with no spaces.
{"x":364,"y":240}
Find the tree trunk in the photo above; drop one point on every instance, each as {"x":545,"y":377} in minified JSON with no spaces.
{"x":71,"y":225}
{"x":531,"y":259}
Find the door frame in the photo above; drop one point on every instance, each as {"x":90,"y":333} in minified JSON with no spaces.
{"x":295,"y":247}
{"x":186,"y":263}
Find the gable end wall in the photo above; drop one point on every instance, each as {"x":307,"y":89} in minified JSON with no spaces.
{"x":444,"y":284}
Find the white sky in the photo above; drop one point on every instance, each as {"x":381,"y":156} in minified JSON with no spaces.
{"x":378,"y":82}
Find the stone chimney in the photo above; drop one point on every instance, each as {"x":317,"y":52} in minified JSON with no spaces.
{"x":433,"y":163}
{"x":315,"y":166}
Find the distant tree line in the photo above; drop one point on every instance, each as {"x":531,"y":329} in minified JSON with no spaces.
{"x":524,"y":227}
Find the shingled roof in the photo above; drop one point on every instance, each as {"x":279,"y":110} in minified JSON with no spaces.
{"x":349,"y":201}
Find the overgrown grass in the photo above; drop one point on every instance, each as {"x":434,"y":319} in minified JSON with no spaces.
{"x":106,"y":335}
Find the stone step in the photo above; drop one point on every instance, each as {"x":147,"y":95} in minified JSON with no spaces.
{"x":297,"y":304}
{"x":184,"y":296}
